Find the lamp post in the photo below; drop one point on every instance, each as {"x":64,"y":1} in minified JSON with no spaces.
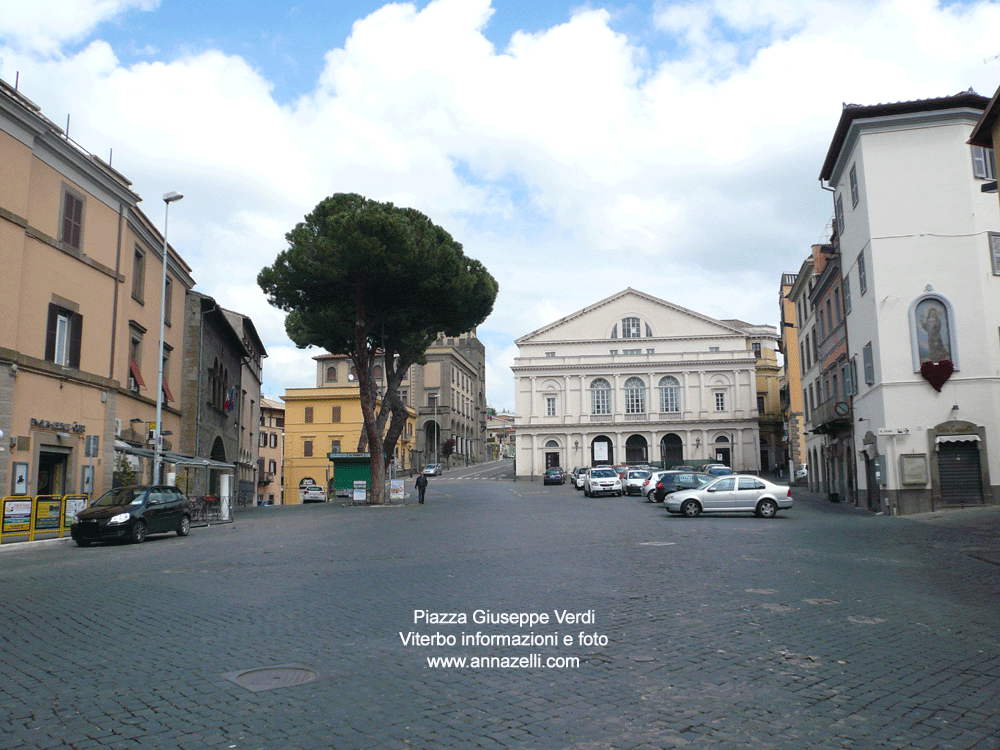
{"x":168,"y":198}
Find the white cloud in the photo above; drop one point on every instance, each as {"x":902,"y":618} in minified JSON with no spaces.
{"x":42,"y":26}
{"x":574,"y":162}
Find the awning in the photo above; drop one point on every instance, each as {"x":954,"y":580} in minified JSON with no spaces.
{"x":966,"y":438}
{"x":135,"y":373}
{"x":171,"y":457}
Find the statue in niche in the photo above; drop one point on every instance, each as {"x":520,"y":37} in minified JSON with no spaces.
{"x":933,"y":334}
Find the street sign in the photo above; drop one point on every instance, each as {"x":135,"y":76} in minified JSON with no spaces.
{"x":893,"y":430}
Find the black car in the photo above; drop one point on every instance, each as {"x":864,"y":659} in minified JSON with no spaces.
{"x":131,"y":513}
{"x":554,"y":476}
{"x":672,"y":481}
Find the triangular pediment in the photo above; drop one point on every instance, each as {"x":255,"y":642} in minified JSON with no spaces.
{"x":607,"y":320}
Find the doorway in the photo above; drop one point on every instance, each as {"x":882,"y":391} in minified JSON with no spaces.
{"x":52,"y":472}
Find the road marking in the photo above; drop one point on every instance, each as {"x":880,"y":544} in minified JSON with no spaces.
{"x":657,"y":544}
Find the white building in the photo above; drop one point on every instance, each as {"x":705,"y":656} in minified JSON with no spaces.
{"x":635,"y":379}
{"x":923,"y":301}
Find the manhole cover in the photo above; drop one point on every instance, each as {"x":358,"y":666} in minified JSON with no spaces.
{"x":272,"y":678}
{"x":642,"y":658}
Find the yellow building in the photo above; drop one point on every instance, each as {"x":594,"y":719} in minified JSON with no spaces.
{"x":793,"y":406}
{"x":328,"y":420}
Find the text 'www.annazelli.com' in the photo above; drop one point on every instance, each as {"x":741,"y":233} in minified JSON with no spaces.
{"x":531,"y":661}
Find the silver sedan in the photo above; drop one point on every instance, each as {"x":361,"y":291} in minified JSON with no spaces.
{"x":734,"y":494}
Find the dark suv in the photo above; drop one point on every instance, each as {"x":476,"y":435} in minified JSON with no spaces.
{"x":130,"y":513}
{"x":672,"y":481}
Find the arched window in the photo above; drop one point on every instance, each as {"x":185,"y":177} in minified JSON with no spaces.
{"x":631,"y":328}
{"x":377,"y":371}
{"x":670,"y":394}
{"x":635,"y":395}
{"x":552,"y":444}
{"x":331,"y":374}
{"x":600,"y":396}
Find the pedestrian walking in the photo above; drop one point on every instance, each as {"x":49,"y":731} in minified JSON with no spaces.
{"x":421,"y":487}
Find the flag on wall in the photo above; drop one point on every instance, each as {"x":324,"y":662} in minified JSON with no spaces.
{"x":230,"y":397}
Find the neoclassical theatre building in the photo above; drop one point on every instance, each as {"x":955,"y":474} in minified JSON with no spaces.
{"x":636,"y":379}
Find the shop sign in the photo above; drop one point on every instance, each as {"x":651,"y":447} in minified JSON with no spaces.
{"x":16,"y":515}
{"x":45,"y":424}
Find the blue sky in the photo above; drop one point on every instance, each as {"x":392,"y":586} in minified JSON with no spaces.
{"x":576,"y":150}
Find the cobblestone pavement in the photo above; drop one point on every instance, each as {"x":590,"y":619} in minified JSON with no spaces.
{"x":825,"y":627}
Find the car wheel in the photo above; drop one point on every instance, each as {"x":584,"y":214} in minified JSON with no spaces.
{"x":690,"y":508}
{"x":767,"y":509}
{"x":138,"y":533}
{"x":185,"y":528}
{"x":619,"y":494}
{"x":82,"y":542}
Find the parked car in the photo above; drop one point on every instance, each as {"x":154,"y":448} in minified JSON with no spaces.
{"x":574,"y":474}
{"x":622,"y":470}
{"x":719,"y":471}
{"x":634,"y":481}
{"x":649,"y":486}
{"x":313,"y":493}
{"x":602,"y":480}
{"x":674,"y":481}
{"x":433,"y":470}
{"x":582,"y":477}
{"x":683,"y":468}
{"x":132,"y":513}
{"x":802,"y":473}
{"x":739,"y":493}
{"x":554,"y":476}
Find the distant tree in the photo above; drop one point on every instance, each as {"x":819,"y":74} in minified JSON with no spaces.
{"x":448,"y":448}
{"x":370,"y":280}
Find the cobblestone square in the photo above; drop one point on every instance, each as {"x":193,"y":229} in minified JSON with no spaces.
{"x":825,"y":627}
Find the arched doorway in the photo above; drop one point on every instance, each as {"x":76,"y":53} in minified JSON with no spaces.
{"x":551,"y":454}
{"x":602,"y":451}
{"x":218,"y":450}
{"x":721,"y":451}
{"x":671,"y":450}
{"x":636,"y":450}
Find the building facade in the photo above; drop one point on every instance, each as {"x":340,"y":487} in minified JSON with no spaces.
{"x":80,"y":300}
{"x":326,"y":420}
{"x":271,"y":450}
{"x":792,"y":406}
{"x":635,"y":379}
{"x":922,"y":297}
{"x":248,"y":404}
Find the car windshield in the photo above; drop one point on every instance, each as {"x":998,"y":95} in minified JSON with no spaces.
{"x":638,"y":474}
{"x":602,"y":473}
{"x":428,"y":466}
{"x":122,"y":496}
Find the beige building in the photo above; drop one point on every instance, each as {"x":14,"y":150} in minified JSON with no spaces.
{"x":80,"y":300}
{"x":271,"y":452}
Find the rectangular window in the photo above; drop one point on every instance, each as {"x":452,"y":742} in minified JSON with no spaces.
{"x":550,"y":406}
{"x":272,"y":466}
{"x":334,"y":446}
{"x":631,"y":351}
{"x":550,"y":354}
{"x":756,"y":349}
{"x":168,"y":300}
{"x":995,"y":252}
{"x":839,"y":208}
{"x":805,"y":402}
{"x":274,"y":439}
{"x":854,"y":375}
{"x":613,"y":351}
{"x":138,"y":274}
{"x":820,"y":324}
{"x":335,"y":415}
{"x":812,"y":395}
{"x":760,"y":405}
{"x":307,"y":448}
{"x":720,"y":401}
{"x":869,"y":362}
{"x":847,"y":293}
{"x":309,"y":415}
{"x":72,"y":219}
{"x":262,"y":440}
{"x":279,"y":421}
{"x":651,"y":351}
{"x":829,"y":316}
{"x":713,"y":348}
{"x":854,"y":186}
{"x":862,"y":275}
{"x":135,"y":362}
{"x":836,"y":304}
{"x":983,"y":165}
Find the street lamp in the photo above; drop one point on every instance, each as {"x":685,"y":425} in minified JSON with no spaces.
{"x":168,"y":198}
